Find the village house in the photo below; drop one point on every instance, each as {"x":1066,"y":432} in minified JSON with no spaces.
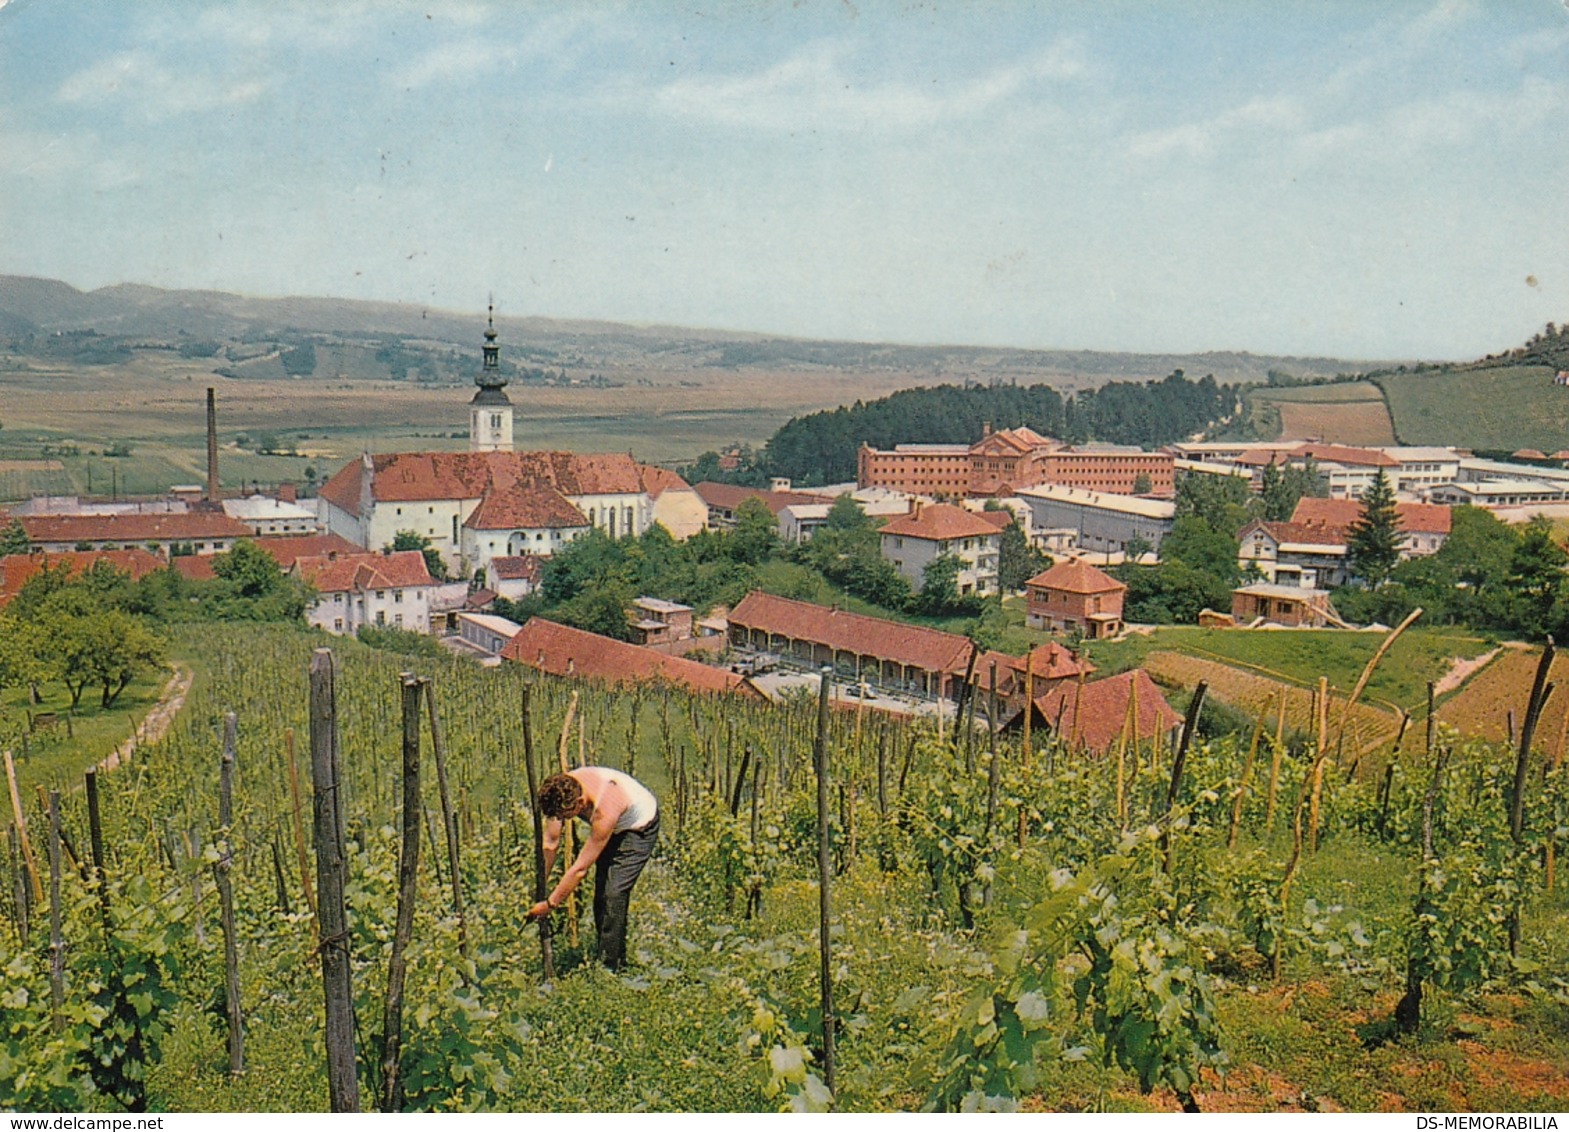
{"x":283,"y":550}
{"x":390,"y":589}
{"x":723,"y":500}
{"x":1093,"y":716}
{"x":560,"y":650}
{"x":659,"y":622}
{"x":677,"y":507}
{"x":17,"y":569}
{"x":1423,"y":526}
{"x":515,"y":576}
{"x":929,"y":531}
{"x":1293,"y":554}
{"x":163,"y":533}
{"x":267,"y":515}
{"x":1074,"y":596}
{"x":1290,"y":606}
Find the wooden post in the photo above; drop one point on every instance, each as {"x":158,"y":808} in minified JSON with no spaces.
{"x":1540,"y":690}
{"x":19,"y":896}
{"x":568,"y":831}
{"x":56,"y":938}
{"x":21,"y":831}
{"x":740,"y":780}
{"x":408,"y":882}
{"x":332,"y":917}
{"x":547,"y":956}
{"x":95,"y":838}
{"x":1367,"y":673}
{"x":824,"y":873}
{"x":298,"y":823}
{"x":1318,"y":762}
{"x":1178,"y":761}
{"x":231,"y":953}
{"x":449,"y":821}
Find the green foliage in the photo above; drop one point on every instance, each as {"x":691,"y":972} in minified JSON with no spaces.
{"x":413,"y":540}
{"x":756,"y":534}
{"x":1017,"y":560}
{"x":250,"y":586}
{"x":13,"y":539}
{"x":405,"y":641}
{"x":299,"y":361}
{"x":1373,"y":542}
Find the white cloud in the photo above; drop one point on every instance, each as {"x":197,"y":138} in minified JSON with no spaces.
{"x":156,"y":91}
{"x":817,"y":89}
{"x":1258,"y":119}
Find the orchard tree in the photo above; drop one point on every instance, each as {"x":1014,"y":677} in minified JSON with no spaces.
{"x":106,"y":649}
{"x":756,"y":535}
{"x":13,"y":539}
{"x":1373,"y":544}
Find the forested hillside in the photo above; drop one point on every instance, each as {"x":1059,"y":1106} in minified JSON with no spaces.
{"x":821,"y":447}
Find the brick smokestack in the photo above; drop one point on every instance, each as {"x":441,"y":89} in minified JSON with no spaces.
{"x":212,"y":448}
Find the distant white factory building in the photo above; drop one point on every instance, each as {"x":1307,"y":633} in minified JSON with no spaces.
{"x":1097,"y":521}
{"x":267,"y":515}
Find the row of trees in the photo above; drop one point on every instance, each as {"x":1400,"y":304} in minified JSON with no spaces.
{"x":821,"y":447}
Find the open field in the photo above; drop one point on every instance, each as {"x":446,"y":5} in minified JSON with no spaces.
{"x":1485,"y":705}
{"x":1499,"y":407}
{"x":1345,"y":413}
{"x":158,"y":408}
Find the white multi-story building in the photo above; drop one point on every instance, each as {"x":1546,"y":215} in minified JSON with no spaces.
{"x":931,"y":530}
{"x":390,"y":589}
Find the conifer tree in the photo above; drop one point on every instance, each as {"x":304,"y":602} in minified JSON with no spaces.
{"x":1373,"y":545}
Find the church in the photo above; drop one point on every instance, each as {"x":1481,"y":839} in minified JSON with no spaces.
{"x":492,"y":502}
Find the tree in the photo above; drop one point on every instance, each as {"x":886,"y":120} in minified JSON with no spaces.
{"x":1141,"y":484}
{"x":1536,"y":578}
{"x":1200,"y":546}
{"x":940,"y":584}
{"x":24,"y":657}
{"x":756,"y":535}
{"x":13,"y":539}
{"x":250,"y":586}
{"x":1017,"y":560}
{"x":98,"y":648}
{"x":1373,"y":544}
{"x":300,"y":361}
{"x":600,"y":609}
{"x":1221,"y":502}
{"x":413,"y":540}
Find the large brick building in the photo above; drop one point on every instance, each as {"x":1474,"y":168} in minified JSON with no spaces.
{"x":1000,"y":463}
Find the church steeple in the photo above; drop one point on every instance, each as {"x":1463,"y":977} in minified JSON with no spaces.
{"x":490,"y":412}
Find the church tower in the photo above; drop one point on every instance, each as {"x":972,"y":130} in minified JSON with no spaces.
{"x":490,"y":412}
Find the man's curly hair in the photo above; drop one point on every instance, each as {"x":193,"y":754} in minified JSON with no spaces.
{"x":560,"y":795}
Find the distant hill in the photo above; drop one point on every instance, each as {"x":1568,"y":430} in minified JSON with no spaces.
{"x":42,"y":307}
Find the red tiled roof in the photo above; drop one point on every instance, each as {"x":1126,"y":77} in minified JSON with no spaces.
{"x":1052,"y":661}
{"x":728,"y":496}
{"x":16,"y":569}
{"x":1075,"y":576}
{"x":533,"y":507}
{"x":657,"y":481}
{"x":1309,"y":534}
{"x":930,"y":650}
{"x":564,"y":651}
{"x":1342,"y":454}
{"x":518,"y":567}
{"x":1021,"y":440}
{"x":366,"y":571}
{"x":284,"y":549}
{"x":1339,"y":514}
{"x":998,"y":519}
{"x":1093,"y":715}
{"x":938,"y":522}
{"x":194,"y":567}
{"x":161,"y":526}
{"x":405,"y":477}
{"x":1528,"y":454}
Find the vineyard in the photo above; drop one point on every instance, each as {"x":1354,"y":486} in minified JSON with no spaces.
{"x":1266,"y":922}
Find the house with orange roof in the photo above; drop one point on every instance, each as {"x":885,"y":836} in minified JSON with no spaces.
{"x":1092,"y":716}
{"x":561,"y":650}
{"x":1423,"y":526}
{"x":390,"y":589}
{"x":160,"y":532}
{"x":677,"y":506}
{"x":930,"y":530}
{"x":1074,"y":596}
{"x":17,"y":569}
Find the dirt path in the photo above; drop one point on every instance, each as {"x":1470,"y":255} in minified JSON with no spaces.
{"x":156,"y":721}
{"x":1460,"y":669}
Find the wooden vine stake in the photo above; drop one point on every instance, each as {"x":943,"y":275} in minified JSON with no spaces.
{"x":220,"y":868}
{"x":449,"y":821}
{"x":547,"y":957}
{"x":1247,"y":774}
{"x":56,"y":938}
{"x":332,"y":917}
{"x":1321,"y":748}
{"x":1277,"y":750}
{"x":298,"y":822}
{"x":408,"y":883}
{"x":21,"y":831}
{"x":568,"y":829}
{"x":1540,"y":690}
{"x":824,"y":873}
{"x":1178,"y":761}
{"x":95,"y":835}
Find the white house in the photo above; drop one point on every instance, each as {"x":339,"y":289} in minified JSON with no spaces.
{"x":390,"y":589}
{"x":931,"y":530}
{"x":265,"y":515}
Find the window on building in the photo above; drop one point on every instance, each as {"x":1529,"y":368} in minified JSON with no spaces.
{"x":397,"y":597}
{"x":381,"y":595}
{"x":398,"y":620}
{"x":337,"y":624}
{"x":381,"y":616}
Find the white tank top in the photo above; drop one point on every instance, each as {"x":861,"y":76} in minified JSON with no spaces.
{"x":642,"y":806}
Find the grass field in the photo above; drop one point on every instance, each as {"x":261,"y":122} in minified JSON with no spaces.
{"x":1302,"y":657}
{"x":1346,"y":413}
{"x":1502,"y":407}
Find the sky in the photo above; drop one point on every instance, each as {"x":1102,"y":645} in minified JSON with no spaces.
{"x":1347,"y":178}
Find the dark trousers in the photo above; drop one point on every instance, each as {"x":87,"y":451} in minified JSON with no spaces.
{"x":615,"y":872}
